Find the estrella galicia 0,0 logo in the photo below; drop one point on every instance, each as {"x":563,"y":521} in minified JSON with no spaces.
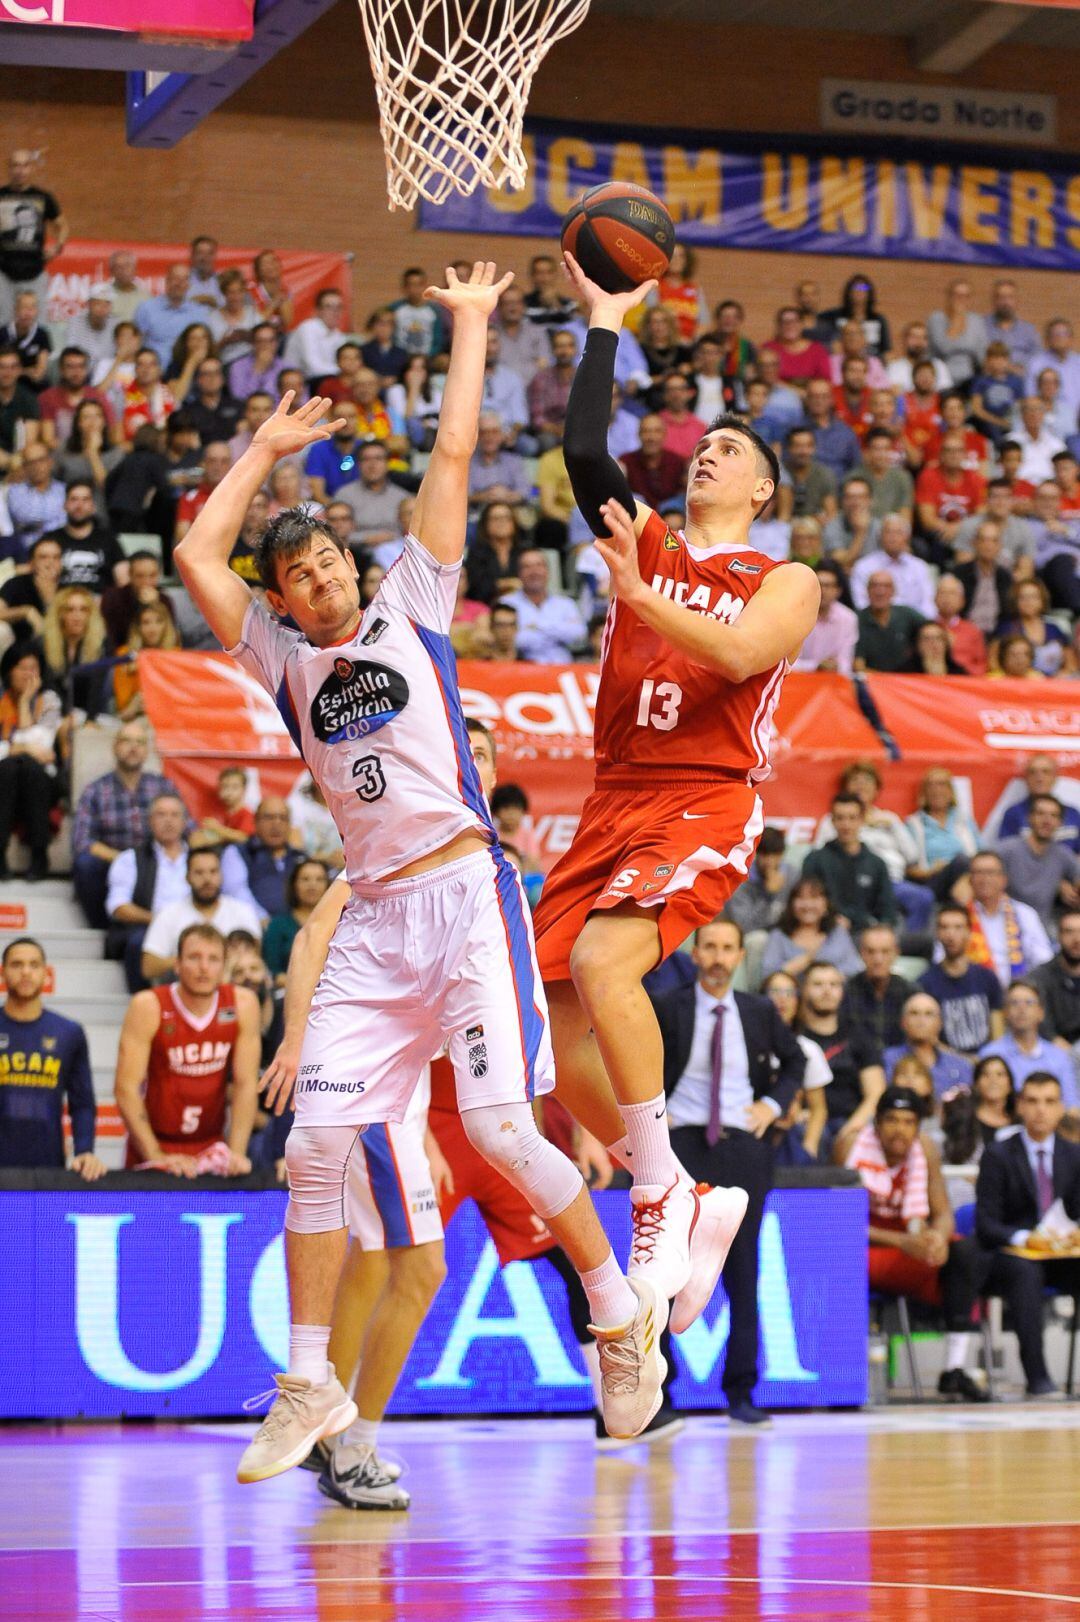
{"x":356,"y":699}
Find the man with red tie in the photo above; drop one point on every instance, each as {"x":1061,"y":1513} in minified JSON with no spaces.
{"x":731,"y":1069}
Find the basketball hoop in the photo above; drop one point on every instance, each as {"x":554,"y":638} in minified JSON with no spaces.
{"x":452,"y":78}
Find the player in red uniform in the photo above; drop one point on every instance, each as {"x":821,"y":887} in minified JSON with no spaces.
{"x":700,"y":633}
{"x":189,"y":1057}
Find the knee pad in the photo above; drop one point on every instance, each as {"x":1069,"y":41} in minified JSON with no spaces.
{"x":508,"y":1138}
{"x":317,"y":1159}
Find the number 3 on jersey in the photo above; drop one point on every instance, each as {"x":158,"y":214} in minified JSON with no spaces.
{"x":665,"y":714}
{"x":372,"y":782}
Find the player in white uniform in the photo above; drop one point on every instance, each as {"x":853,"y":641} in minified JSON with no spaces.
{"x":436,"y":943}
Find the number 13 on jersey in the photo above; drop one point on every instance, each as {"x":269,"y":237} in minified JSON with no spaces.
{"x":659,"y":705}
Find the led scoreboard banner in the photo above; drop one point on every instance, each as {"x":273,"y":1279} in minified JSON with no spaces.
{"x":174,"y":1304}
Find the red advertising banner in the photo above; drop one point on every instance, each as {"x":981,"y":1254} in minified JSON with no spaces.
{"x":542,"y":719}
{"x":541,"y":716}
{"x":84,"y":262}
{"x":983,"y":730}
{"x":197,"y":19}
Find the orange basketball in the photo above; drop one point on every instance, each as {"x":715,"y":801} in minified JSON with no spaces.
{"x":621,"y":235}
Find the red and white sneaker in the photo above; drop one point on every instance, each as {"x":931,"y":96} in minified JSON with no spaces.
{"x":664,"y":1222}
{"x":721,"y":1211}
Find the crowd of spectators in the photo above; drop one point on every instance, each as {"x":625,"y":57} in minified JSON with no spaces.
{"x":930,"y":476}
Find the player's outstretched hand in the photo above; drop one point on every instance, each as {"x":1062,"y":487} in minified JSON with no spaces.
{"x":481,"y":292}
{"x":619,"y":550}
{"x":280,"y":1079}
{"x":593,"y":294}
{"x":284,"y":434}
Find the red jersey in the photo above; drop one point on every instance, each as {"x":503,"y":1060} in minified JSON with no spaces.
{"x":191,"y":503}
{"x":189,"y":1071}
{"x":858,"y":416}
{"x":660,"y":714}
{"x":951,"y":498}
{"x":976,"y":450}
{"x":922,"y":423}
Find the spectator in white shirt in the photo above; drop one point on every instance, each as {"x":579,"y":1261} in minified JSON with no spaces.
{"x":92,"y":329}
{"x":911,"y":576}
{"x":550,"y":625}
{"x":314,"y":344}
{"x":204,"y":904}
{"x":1036,"y":441}
{"x":916,"y":348}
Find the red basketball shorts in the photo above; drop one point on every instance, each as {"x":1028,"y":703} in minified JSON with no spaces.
{"x":681,"y":849}
{"x":509,"y":1218}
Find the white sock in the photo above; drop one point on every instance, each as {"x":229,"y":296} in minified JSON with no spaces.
{"x":619,"y":1152}
{"x":957,"y":1347}
{"x":361,"y":1433}
{"x":611,"y":1300}
{"x":591,"y":1354}
{"x":307,"y":1352}
{"x":649,"y":1157}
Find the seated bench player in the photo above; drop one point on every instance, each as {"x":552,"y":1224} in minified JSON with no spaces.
{"x":189,"y":1061}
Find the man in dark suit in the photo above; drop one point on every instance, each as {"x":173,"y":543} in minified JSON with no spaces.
{"x":1020,"y":1177}
{"x":731,"y":1069}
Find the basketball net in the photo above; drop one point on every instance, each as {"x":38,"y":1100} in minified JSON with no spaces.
{"x":452,"y":78}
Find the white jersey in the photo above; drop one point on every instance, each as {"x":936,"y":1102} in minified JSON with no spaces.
{"x":378,"y":718}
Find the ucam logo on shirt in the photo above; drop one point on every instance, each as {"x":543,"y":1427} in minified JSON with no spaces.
{"x":175,"y":1303}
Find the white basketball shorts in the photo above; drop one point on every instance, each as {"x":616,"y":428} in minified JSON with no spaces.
{"x":391,"y":1199}
{"x":443,"y":958}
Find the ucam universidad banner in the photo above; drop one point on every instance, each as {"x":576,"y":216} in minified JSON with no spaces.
{"x":788,"y":196}
{"x":174,"y":1304}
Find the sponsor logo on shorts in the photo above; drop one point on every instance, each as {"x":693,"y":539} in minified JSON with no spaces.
{"x":319,"y":1084}
{"x":309,"y":1069}
{"x":356,"y":699}
{"x":478,"y":1060}
{"x":474,"y":1033}
{"x":374,"y":632}
{"x":424,"y":1203}
{"x":664,"y":872}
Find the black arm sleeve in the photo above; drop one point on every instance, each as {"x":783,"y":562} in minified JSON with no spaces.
{"x":594,"y":475}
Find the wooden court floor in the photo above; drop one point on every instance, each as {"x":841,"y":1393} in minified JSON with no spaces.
{"x":902,"y":1513}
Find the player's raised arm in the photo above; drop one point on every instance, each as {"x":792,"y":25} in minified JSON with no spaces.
{"x":595,"y":475}
{"x":442,"y":507}
{"x":202,"y":557}
{"x":306,"y":961}
{"x":772,"y":626}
